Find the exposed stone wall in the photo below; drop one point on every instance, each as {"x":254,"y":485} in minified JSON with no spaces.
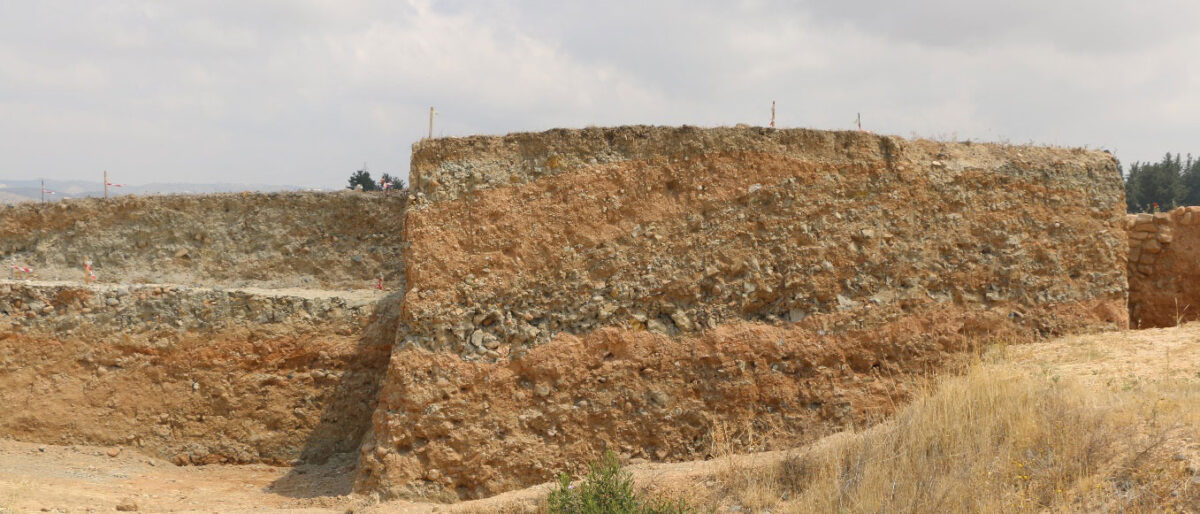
{"x":631,"y":288}
{"x":1164,"y":272}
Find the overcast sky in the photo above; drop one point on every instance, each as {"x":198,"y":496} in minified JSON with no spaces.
{"x":304,"y":92}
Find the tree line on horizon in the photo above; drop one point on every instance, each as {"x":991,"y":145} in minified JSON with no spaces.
{"x":363,"y":178}
{"x":1164,"y":185}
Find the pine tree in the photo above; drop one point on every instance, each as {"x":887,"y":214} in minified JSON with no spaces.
{"x":362,"y":178}
{"x":1158,"y":185}
{"x":1190,"y":180}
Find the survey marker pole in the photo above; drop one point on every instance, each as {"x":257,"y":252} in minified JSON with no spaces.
{"x":430,"y":123}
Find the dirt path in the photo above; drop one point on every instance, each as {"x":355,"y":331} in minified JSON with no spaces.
{"x":86,"y":479}
{"x":36,"y":477}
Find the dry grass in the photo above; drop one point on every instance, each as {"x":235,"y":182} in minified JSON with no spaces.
{"x":1002,"y":437}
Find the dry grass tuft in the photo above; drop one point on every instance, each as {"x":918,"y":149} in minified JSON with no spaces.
{"x":999,"y":438}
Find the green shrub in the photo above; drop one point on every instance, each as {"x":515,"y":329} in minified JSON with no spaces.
{"x":607,"y":489}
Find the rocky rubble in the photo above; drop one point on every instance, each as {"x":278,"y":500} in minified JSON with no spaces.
{"x":687,"y":243}
{"x":110,"y":312}
{"x":308,"y":240}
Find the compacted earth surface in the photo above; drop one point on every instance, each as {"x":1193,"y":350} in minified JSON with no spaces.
{"x":1161,"y":367}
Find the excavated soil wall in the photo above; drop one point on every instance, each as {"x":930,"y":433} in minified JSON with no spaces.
{"x":637,"y":288}
{"x":1164,"y":272}
{"x":171,"y":352}
{"x":196,"y":377}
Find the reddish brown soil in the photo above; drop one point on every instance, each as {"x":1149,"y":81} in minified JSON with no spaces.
{"x":577,"y":226}
{"x":235,"y":396}
{"x":469,"y":430}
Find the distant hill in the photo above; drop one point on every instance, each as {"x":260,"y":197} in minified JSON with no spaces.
{"x":16,"y":191}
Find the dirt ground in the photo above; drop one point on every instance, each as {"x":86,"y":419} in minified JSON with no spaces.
{"x":47,"y":478}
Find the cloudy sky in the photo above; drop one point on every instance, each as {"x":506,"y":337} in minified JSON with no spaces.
{"x":304,"y":92}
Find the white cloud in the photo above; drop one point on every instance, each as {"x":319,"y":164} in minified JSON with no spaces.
{"x":303,"y":92}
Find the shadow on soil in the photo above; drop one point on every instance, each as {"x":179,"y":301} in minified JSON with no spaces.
{"x":329,"y":458}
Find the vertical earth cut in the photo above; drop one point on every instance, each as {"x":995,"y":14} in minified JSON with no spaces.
{"x":230,"y":328}
{"x":642,"y":288}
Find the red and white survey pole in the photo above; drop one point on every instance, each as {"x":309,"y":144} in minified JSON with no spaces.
{"x":45,"y":191}
{"x":858,"y":123}
{"x":107,"y":184}
{"x":26,"y":270}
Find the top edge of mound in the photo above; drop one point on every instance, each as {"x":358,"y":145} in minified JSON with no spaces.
{"x":426,"y":146}
{"x":446,"y":168}
{"x":245,"y":196}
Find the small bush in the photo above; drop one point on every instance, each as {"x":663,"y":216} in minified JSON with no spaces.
{"x":607,"y":489}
